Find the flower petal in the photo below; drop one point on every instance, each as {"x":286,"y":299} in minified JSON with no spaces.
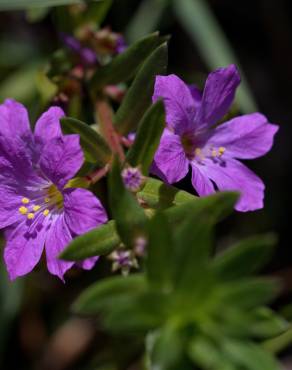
{"x":14,"y":120}
{"x":179,"y":104}
{"x":61,"y":158}
{"x":48,"y":126}
{"x":196,"y":94}
{"x":170,"y":158}
{"x":200,"y":181}
{"x":10,"y":201}
{"x":218,"y":95}
{"x":83,"y":211}
{"x":232,"y":175}
{"x":249,"y":136}
{"x":23,"y":249}
{"x":88,"y":264}
{"x":58,"y":238}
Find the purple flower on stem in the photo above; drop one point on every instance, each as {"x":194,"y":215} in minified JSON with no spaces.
{"x":38,"y":208}
{"x":192,"y":139}
{"x":133,"y":178}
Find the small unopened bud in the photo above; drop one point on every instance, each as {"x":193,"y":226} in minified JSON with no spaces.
{"x":140,"y":246}
{"x":133,"y":178}
{"x":123,"y":260}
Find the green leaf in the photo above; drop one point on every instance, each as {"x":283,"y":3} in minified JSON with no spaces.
{"x":201,"y":25}
{"x":193,"y":241}
{"x":207,"y":355}
{"x":102,"y":295}
{"x":159,"y":253}
{"x":147,"y":139}
{"x":216,"y":207}
{"x":249,"y":356}
{"x":245,"y":257}
{"x":97,"y":242}
{"x":125,"y":65}
{"x":94,"y":147}
{"x":95,"y":12}
{"x":266,"y":323}
{"x":165,"y":349}
{"x":24,"y":4}
{"x":158,"y":195}
{"x":129,"y":216}
{"x":249,"y":292}
{"x":132,"y":109}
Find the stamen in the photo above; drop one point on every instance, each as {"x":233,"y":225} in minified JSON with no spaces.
{"x":46,"y":212}
{"x":198,"y":151}
{"x":36,"y":208}
{"x":23,"y":210}
{"x":214,"y":153}
{"x":47,"y":200}
{"x":221,"y":150}
{"x":30,"y":216}
{"x":25,"y":200}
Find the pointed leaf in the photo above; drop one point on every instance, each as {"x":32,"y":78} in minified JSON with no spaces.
{"x":245,"y":257}
{"x":95,"y":148}
{"x":132,"y":109}
{"x":99,"y":241}
{"x":103,"y":294}
{"x":125,"y":65}
{"x":147,"y":139}
{"x":159,"y":252}
{"x":158,"y":195}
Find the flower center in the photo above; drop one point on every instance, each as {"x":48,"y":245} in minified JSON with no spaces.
{"x":50,"y":199}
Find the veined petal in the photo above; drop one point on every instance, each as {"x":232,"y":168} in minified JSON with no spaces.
{"x":61,"y":158}
{"x":83,"y":211}
{"x":48,"y":126}
{"x":178,"y":100}
{"x":10,"y":202}
{"x":23,"y":249}
{"x":170,"y":157}
{"x":58,"y":238}
{"x":200,"y":181}
{"x":218,"y":95}
{"x":232,"y":175}
{"x":14,"y":120}
{"x":249,"y":136}
{"x":196,"y":94}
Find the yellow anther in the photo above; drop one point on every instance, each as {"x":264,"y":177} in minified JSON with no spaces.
{"x":198,"y":151}
{"x":36,"y":208}
{"x":214,"y":153}
{"x":30,"y":216}
{"x":47,"y":200}
{"x":221,"y":150}
{"x":25,"y":200}
{"x":22,"y":210}
{"x":46,"y":212}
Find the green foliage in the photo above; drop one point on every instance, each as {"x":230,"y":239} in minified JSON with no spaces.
{"x":129,"y":216}
{"x":147,"y":138}
{"x":191,"y":310}
{"x":125,"y":65}
{"x":24,"y":4}
{"x":96,"y":242}
{"x":132,"y":109}
{"x":94,"y":147}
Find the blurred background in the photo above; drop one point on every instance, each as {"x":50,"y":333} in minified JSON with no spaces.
{"x":35,"y":332}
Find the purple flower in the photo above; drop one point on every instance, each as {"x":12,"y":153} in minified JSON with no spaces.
{"x":133,"y":178}
{"x":87,"y":56}
{"x":192,"y":139}
{"x":38,"y":208}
